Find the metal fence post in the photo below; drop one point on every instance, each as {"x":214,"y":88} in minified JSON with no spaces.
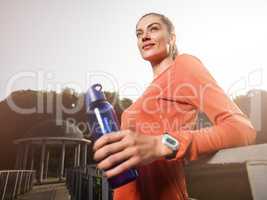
{"x":90,"y":183}
{"x":80,"y":174}
{"x":21,"y":176}
{"x":105,"y":189}
{"x":1,"y":183}
{"x":29,"y":181}
{"x":25,"y":182}
{"x":15,"y":187}
{"x":4,"y":192}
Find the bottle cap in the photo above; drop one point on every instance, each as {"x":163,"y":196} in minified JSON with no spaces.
{"x":94,"y":93}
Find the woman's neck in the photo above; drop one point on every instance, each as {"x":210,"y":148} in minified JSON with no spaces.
{"x":161,"y":66}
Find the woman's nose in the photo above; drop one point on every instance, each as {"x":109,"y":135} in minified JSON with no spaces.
{"x":146,"y":36}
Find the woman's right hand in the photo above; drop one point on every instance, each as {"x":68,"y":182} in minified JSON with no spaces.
{"x":127,"y":149}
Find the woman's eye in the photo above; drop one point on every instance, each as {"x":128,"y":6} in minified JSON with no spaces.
{"x":154,"y":28}
{"x":138,"y":34}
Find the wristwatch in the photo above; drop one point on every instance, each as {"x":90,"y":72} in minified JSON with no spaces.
{"x":171,"y":143}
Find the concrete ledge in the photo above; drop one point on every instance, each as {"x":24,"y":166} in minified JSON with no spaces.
{"x":237,"y":155}
{"x":236,"y":173}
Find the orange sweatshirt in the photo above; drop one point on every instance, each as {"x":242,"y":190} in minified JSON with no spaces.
{"x":170,"y":104}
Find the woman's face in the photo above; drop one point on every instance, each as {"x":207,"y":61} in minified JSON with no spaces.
{"x":153,"y":38}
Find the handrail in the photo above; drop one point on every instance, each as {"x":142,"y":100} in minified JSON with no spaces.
{"x":227,"y":167}
{"x":15,"y":182}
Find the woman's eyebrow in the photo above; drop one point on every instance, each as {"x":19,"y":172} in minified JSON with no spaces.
{"x":137,"y":30}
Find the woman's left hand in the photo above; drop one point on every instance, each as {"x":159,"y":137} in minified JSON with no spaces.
{"x":122,"y":150}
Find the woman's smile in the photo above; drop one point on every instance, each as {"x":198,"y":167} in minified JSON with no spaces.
{"x":147,"y":46}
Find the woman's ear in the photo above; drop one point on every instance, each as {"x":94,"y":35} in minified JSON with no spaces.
{"x":172,"y":38}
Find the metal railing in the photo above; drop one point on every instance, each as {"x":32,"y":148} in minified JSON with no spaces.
{"x":15,"y":182}
{"x":84,"y":184}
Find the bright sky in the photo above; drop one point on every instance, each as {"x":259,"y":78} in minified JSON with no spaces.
{"x":61,"y":43}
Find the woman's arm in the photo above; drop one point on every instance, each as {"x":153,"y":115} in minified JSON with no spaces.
{"x":193,"y":83}
{"x":230,"y":128}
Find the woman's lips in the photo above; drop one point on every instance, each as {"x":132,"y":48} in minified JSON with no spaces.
{"x":147,"y":46}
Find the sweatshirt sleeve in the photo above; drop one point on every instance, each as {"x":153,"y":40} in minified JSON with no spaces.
{"x":231,"y":128}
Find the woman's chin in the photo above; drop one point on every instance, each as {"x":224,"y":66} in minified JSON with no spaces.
{"x":151,"y":57}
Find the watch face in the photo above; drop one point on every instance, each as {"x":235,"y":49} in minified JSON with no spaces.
{"x":172,"y":142}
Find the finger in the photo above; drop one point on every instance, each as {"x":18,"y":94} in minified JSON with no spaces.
{"x":109,"y":149}
{"x":108,"y":138}
{"x":128,"y":164}
{"x":114,"y":159}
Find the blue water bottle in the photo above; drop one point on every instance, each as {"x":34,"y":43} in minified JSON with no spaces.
{"x":103,"y":120}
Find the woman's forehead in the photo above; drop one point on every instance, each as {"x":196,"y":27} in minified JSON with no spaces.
{"x":147,"y":20}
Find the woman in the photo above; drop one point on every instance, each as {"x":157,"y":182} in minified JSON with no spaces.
{"x":180,"y":89}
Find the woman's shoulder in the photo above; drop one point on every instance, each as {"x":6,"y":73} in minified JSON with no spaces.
{"x":191,"y":68}
{"x":188,"y":64}
{"x":187,"y":59}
